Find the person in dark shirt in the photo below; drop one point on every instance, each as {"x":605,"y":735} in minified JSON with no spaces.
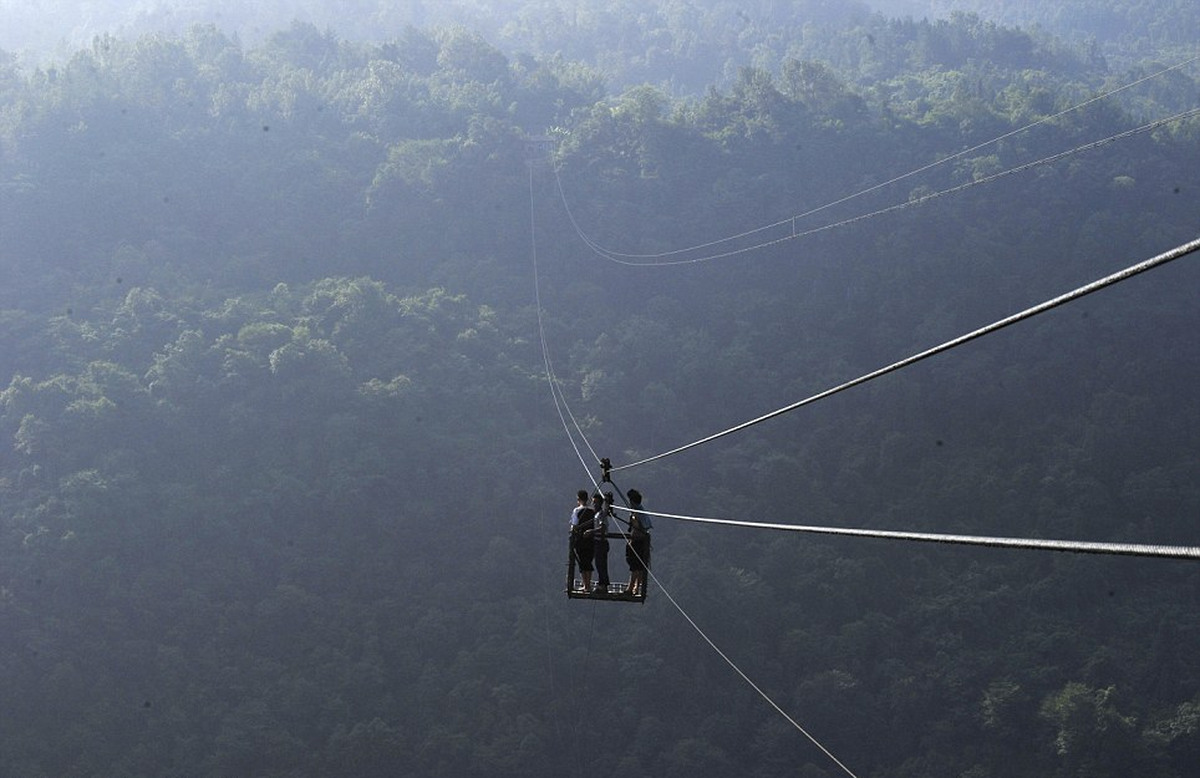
{"x":602,"y":506}
{"x":637,"y":548}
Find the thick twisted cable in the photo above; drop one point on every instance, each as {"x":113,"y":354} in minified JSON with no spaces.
{"x":1122,"y":275}
{"x":1072,"y":546}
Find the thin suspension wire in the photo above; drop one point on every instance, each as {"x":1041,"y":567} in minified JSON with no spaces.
{"x":616,"y":255}
{"x":550,"y":653}
{"x":578,"y":428}
{"x":574,"y":421}
{"x":725,"y":657}
{"x":1109,"y":280}
{"x":744,"y":677}
{"x":647,"y":260}
{"x":560,"y":400}
{"x":1073,"y":546}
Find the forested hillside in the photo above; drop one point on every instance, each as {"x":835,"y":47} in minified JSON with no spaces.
{"x":684,"y":45}
{"x":283,"y":490}
{"x":1121,"y":27}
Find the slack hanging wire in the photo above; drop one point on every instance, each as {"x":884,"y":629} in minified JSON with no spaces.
{"x":725,"y":657}
{"x":1109,"y":280}
{"x":665,"y":257}
{"x":766,"y":242}
{"x":606,"y":468}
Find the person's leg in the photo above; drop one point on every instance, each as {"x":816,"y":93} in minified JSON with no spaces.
{"x":602,"y":565}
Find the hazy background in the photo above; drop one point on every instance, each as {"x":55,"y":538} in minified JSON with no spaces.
{"x":283,"y":491}
{"x":39,"y":30}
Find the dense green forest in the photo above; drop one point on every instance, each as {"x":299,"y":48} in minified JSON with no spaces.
{"x":283,"y":490}
{"x":680,"y":44}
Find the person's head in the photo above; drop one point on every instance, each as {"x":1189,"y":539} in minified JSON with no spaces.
{"x":581,"y":496}
{"x":597,"y":500}
{"x":635,"y":497}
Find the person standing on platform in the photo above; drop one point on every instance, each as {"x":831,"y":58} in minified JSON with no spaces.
{"x":582,"y":546}
{"x":637,"y":548}
{"x":602,"y":506}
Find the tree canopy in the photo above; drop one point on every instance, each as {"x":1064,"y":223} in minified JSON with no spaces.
{"x":283,"y":490}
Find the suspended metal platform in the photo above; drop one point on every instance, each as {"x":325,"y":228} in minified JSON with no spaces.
{"x":616,"y":590}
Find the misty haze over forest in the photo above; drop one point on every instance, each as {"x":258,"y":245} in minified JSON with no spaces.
{"x":56,"y":29}
{"x":315,"y":319}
